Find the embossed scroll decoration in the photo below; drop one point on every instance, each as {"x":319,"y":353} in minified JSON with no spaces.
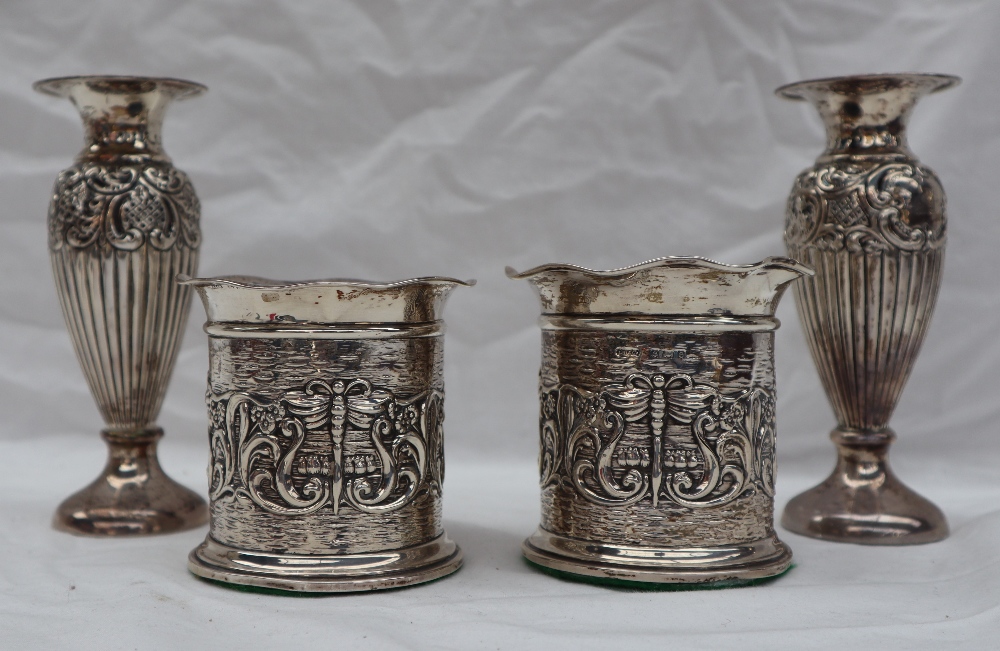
{"x":861,"y":207}
{"x":344,"y":442}
{"x":123,"y":206}
{"x":730,"y":449}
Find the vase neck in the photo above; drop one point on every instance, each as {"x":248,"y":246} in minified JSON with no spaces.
{"x":867,"y":115}
{"x":122,"y":116}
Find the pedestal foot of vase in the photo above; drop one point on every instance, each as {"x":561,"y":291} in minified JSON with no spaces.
{"x":702,"y":564}
{"x":132,"y":496}
{"x":863,"y":501}
{"x":326,"y":572}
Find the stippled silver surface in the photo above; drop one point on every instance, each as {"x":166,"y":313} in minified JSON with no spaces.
{"x":327,"y":446}
{"x":657,"y":420}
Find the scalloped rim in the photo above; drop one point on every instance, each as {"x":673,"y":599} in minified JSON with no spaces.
{"x":255,"y":282}
{"x":946,"y":81}
{"x":665,"y":262}
{"x":53,"y":85}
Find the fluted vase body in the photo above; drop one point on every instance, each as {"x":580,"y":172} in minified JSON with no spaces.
{"x":657,"y":421}
{"x":123,"y":222}
{"x":870,"y":219}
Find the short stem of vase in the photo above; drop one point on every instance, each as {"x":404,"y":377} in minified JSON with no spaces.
{"x":863,"y":457}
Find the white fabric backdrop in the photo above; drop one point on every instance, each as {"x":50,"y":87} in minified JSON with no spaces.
{"x":385,"y":140}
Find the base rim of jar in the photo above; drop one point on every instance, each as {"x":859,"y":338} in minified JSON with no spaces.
{"x":225,"y":564}
{"x":721,"y":564}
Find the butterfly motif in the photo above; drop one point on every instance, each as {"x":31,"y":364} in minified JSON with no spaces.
{"x":277,"y":474}
{"x":581,"y":432}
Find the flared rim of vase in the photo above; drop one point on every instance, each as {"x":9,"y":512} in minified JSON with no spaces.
{"x":120,"y":84}
{"x":665,"y":262}
{"x":867,"y":84}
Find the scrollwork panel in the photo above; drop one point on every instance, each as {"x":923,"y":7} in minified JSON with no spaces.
{"x":333,"y":443}
{"x":731,"y":449}
{"x":658,"y":438}
{"x":866,"y":208}
{"x":124,"y":206}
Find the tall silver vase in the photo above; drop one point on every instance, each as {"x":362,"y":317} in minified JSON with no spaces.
{"x":870,"y":219}
{"x":123,"y":223}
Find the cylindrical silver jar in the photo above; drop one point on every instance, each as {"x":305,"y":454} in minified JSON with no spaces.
{"x":326,"y":408}
{"x":657,"y":420}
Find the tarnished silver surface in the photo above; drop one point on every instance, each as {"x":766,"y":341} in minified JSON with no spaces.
{"x":123,"y":222}
{"x":657,"y":420}
{"x":870,"y":219}
{"x":326,"y":432}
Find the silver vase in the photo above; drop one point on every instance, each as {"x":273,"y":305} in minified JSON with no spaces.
{"x":657,"y":420}
{"x":123,"y":223}
{"x":870,"y":219}
{"x":326,"y":432}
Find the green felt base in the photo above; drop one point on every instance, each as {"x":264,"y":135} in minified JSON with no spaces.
{"x":642,"y":586}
